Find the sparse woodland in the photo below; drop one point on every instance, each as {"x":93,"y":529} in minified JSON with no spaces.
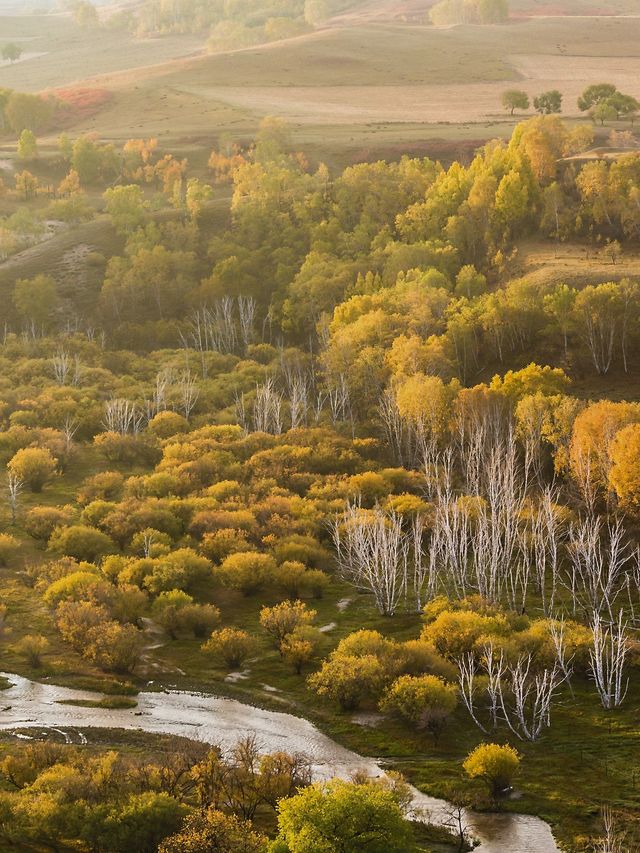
{"x":345,"y":441}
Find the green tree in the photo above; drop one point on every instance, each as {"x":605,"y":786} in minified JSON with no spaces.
{"x":27,"y":145}
{"x":603,"y":112}
{"x":549,"y":102}
{"x":624,"y":105}
{"x":36,"y":300}
{"x":560,"y":304}
{"x":595,"y":94}
{"x":11,"y":52}
{"x":515,"y":99}
{"x":85,"y":14}
{"x":470,"y":282}
{"x":28,"y":112}
{"x":143,"y":821}
{"x":196,"y":197}
{"x":496,"y":765}
{"x":342,"y":817}
{"x":127,"y":208}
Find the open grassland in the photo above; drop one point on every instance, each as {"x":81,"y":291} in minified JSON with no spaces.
{"x":574,"y":7}
{"x":57,"y":52}
{"x":342,"y":88}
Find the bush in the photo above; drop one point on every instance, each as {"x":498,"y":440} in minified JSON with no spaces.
{"x":213,"y":830}
{"x":299,"y":647}
{"x":289,"y":576}
{"x":231,"y":646}
{"x":303,"y":549}
{"x":425,"y":701}
{"x":366,"y":642}
{"x":167,"y":609}
{"x":181,"y":569}
{"x":176,"y":611}
{"x":35,"y":466}
{"x":421,"y":657}
{"x":246,"y":571}
{"x":32,"y":647}
{"x":9,"y":547}
{"x":315,"y":582}
{"x":349,"y":679}
{"x":80,"y":585}
{"x":128,"y":449}
{"x":76,"y":621}
{"x":343,"y":816}
{"x":114,"y":647}
{"x":200,"y":619}
{"x":496,"y":765}
{"x":81,"y":542}
{"x":453,"y":633}
{"x":106,"y":486}
{"x":221,"y":543}
{"x":41,"y":521}
{"x":284,"y":618}
{"x":168,"y":424}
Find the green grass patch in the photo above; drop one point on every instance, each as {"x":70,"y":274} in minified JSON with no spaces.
{"x":111,"y":702}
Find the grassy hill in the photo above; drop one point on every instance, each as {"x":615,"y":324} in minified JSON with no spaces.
{"x":341,"y":88}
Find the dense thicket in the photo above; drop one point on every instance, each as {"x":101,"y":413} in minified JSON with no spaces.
{"x":246,"y":419}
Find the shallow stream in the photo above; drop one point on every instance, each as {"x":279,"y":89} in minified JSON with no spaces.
{"x":211,"y":719}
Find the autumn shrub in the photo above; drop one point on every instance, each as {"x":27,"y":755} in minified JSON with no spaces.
{"x":230,"y":645}
{"x":167,"y":424}
{"x":181,"y":569}
{"x":81,"y":542}
{"x":35,"y":466}
{"x":282,"y":619}
{"x":41,"y":521}
{"x":425,"y":701}
{"x":495,"y":764}
{"x":246,"y":571}
{"x":315,"y":583}
{"x":223,"y":542}
{"x":302,"y":549}
{"x":455,"y":633}
{"x":349,"y":679}
{"x":9,"y":547}
{"x":289,"y":576}
{"x":32,"y":647}
{"x":107,"y":486}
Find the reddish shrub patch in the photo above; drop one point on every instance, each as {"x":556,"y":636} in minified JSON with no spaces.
{"x":79,"y":103}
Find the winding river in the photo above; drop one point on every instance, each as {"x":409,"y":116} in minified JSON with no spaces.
{"x":211,"y":719}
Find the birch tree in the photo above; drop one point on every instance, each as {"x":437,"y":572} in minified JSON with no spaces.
{"x":373,"y":553}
